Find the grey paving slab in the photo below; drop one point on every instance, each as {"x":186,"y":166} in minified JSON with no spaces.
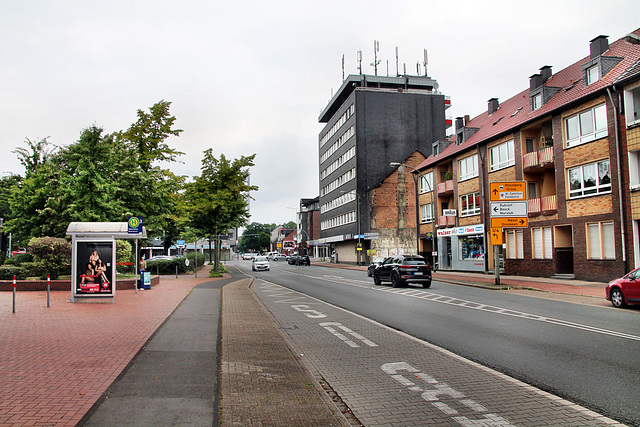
{"x":407,"y":381}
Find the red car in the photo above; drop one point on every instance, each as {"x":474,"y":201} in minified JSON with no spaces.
{"x":625,"y":290}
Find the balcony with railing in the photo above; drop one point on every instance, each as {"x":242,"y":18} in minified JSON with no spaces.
{"x":538,"y":161}
{"x":446,"y":221}
{"x":445,"y":188}
{"x":547,"y":205}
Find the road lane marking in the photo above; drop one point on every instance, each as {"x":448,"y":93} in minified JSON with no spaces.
{"x":328,"y":327}
{"x":434,"y":392}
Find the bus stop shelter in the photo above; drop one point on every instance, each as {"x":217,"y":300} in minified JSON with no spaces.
{"x":93,"y":256}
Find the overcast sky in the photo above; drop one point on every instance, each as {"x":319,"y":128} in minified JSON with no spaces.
{"x":249,"y":77}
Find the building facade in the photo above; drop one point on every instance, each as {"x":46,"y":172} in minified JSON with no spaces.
{"x":571,"y":139}
{"x":370,"y":122}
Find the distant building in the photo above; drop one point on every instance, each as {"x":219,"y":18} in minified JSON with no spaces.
{"x":309,"y":228}
{"x":370,"y":122}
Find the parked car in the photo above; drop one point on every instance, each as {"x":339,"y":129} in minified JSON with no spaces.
{"x":160,"y":258}
{"x":403,"y":269}
{"x":279,"y":257}
{"x":292,"y":259}
{"x":249,"y":255}
{"x":625,"y":290}
{"x":303,"y":260}
{"x":374,"y":264}
{"x":260,"y":263}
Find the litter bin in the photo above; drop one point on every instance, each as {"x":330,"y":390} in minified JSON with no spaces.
{"x":145,"y":280}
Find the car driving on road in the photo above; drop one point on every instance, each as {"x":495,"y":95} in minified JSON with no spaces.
{"x":260,"y":263}
{"x":403,"y":269}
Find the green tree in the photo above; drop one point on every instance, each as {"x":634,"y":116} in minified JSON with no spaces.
{"x":218,"y":199}
{"x":148,"y":134}
{"x":256,"y":237}
{"x":34,"y":154}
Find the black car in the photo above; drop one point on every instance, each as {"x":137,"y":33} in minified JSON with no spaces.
{"x":372,"y":267}
{"x":403,"y":269}
{"x":299,"y":260}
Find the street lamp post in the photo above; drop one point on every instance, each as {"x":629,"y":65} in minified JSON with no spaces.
{"x":434,"y":237}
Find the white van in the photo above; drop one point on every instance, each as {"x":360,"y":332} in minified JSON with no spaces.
{"x":270,"y":255}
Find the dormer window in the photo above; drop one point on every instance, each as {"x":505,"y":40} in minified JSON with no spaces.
{"x":537,"y":101}
{"x":593,"y":74}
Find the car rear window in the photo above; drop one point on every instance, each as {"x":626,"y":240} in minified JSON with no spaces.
{"x":414,"y":261}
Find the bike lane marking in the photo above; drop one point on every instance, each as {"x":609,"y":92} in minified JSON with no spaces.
{"x":451,"y":402}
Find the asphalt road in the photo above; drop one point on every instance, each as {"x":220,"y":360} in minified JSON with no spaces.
{"x":586,"y":354}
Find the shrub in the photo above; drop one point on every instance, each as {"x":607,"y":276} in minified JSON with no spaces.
{"x":35,"y":269}
{"x":20,"y":258}
{"x":124,"y":253}
{"x":52,"y":253}
{"x":167,"y":266}
{"x":9,"y":261}
{"x":221,"y":270}
{"x":7,"y":273}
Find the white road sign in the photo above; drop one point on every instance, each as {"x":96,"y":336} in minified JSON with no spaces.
{"x":509,"y":209}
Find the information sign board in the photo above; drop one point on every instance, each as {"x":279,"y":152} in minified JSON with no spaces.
{"x":514,"y":190}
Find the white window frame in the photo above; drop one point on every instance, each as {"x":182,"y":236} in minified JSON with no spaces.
{"x":600,"y":240}
{"x":515,"y":244}
{"x":579,"y":124}
{"x":426,"y":183}
{"x":426,"y":214}
{"x":468,"y":168}
{"x":470,"y":211}
{"x":502,"y":155}
{"x":537,"y":101}
{"x":632,"y":106}
{"x":593,"y":74}
{"x":541,"y":243}
{"x":583,"y":191}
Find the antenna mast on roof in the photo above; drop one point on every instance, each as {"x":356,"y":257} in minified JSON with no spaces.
{"x":343,"y":67}
{"x":360,"y":62}
{"x":376,"y":61}
{"x":426,"y":61}
{"x":397,"y":74}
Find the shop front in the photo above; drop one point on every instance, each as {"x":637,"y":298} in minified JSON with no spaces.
{"x":462,"y":248}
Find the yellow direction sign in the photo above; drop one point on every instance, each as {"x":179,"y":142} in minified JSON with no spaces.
{"x":509,"y":222}
{"x":496,"y":236}
{"x":512,"y":190}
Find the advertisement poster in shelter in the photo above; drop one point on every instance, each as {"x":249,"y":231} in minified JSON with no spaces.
{"x":94,"y":268}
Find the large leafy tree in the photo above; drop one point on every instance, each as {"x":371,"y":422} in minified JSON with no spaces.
{"x":219,"y":198}
{"x":34,"y":154}
{"x":256,"y":237}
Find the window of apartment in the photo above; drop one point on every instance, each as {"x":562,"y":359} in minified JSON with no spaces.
{"x":600,"y":241}
{"x":502,"y":156}
{"x":426,"y":182}
{"x":537,"y":101}
{"x":515,"y":246}
{"x":586,"y":126}
{"x":590,"y":179}
{"x":470,"y":204}
{"x":593,"y":74}
{"x":541,"y":242}
{"x":634,"y":170}
{"x":632,"y":106}
{"x":426,"y":213}
{"x":468,"y":167}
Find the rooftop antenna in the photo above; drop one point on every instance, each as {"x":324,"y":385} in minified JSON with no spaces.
{"x":426,"y":61}
{"x":418,"y":67}
{"x":397,"y":74}
{"x":376,"y":61}
{"x":387,"y":68}
{"x":343,"y":67}
{"x":360,"y":62}
{"x":404,"y":65}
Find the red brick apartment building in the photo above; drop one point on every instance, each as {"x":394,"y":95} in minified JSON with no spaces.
{"x":573,"y":139}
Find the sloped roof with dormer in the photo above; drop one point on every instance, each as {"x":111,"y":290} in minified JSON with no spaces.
{"x":516,"y":111}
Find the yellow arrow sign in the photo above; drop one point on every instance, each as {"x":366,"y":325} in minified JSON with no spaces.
{"x":509,"y":222}
{"x":496,"y":236}
{"x":504,"y":191}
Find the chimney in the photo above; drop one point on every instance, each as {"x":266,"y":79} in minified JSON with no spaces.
{"x":546,"y":73}
{"x":598,"y":46}
{"x":493,"y":105}
{"x":535,"y":81}
{"x":459,"y":123}
{"x":466,"y":119}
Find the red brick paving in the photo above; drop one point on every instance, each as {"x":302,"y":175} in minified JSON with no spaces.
{"x":56,"y":362}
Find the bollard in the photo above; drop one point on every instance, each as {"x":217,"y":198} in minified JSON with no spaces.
{"x":14,"y":294}
{"x":48,"y":288}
